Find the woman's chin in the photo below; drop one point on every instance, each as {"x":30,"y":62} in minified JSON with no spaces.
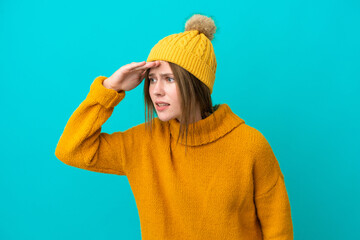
{"x":165,"y":118}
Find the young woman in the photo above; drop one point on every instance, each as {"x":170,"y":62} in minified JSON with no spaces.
{"x":197,"y":171}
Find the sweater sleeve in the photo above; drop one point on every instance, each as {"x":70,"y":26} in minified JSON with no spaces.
{"x":271,"y":199}
{"x":82,"y":144}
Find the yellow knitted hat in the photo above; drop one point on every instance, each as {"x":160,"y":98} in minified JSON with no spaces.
{"x":191,"y":49}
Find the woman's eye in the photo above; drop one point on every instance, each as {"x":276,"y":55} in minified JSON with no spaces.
{"x":169,"y":78}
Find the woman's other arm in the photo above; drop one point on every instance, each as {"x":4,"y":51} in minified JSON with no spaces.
{"x":271,"y":198}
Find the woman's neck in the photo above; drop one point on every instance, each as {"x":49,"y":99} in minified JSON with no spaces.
{"x":198,"y":116}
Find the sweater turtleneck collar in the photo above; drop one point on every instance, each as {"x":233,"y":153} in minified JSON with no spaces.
{"x":209,"y":129}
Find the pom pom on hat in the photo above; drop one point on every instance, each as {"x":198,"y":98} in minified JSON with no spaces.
{"x":203,"y":24}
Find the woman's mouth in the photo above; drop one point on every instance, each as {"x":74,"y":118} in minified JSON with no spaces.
{"x":161,"y":106}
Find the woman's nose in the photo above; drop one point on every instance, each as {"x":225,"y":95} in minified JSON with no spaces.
{"x":159,"y":88}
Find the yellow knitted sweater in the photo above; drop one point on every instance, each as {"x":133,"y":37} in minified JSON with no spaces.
{"x":228,"y":186}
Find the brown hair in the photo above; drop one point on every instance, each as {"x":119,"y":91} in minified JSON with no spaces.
{"x":193,"y":93}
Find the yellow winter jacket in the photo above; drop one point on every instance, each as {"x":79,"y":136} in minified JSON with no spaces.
{"x":228,"y":186}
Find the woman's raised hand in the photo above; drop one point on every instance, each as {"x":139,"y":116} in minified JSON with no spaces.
{"x":129,"y":76}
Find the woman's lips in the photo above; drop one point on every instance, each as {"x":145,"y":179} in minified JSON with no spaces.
{"x":161,"y":108}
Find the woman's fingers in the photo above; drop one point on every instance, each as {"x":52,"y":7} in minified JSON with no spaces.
{"x":146,"y":66}
{"x":133,"y":65}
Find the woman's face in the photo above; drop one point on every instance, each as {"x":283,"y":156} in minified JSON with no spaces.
{"x":164,"y":90}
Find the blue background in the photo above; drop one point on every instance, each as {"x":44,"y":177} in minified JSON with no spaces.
{"x":291,"y":69}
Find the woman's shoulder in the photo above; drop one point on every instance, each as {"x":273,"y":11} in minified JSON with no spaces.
{"x":243,"y":128}
{"x":250,"y":129}
{"x":250,"y":134}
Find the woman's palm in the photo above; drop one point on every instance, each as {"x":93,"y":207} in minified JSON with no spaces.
{"x":130,"y":75}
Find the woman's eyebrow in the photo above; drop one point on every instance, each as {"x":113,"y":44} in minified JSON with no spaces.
{"x":162,"y":74}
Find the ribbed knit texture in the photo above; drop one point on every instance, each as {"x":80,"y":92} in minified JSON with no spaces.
{"x":228,"y":186}
{"x":190,"y":50}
